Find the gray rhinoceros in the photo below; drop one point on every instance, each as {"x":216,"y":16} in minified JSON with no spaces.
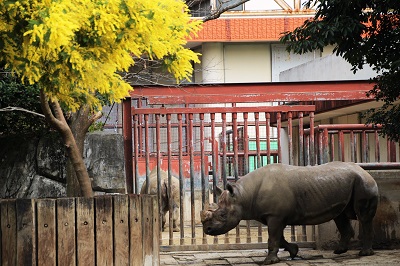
{"x":165,"y":207}
{"x":278,"y":195}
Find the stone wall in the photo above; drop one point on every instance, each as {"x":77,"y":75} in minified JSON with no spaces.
{"x":35,"y":167}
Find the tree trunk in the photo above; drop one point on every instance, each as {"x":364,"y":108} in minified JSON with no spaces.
{"x":79,"y":124}
{"x":56,"y":119}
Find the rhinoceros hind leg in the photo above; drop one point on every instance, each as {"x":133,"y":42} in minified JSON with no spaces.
{"x":293,"y":249}
{"x":366,"y":210}
{"x":346,"y":233}
{"x":271,"y":259}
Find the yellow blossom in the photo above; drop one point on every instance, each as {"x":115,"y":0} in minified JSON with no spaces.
{"x":74,"y":48}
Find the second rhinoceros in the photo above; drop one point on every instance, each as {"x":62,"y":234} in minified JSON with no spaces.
{"x":278,"y":195}
{"x":165,"y":197}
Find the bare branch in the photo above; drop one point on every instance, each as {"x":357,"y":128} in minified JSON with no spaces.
{"x":220,"y":9}
{"x":11,"y":109}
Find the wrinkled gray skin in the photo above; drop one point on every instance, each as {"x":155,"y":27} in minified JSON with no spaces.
{"x":164,"y":196}
{"x":278,"y":195}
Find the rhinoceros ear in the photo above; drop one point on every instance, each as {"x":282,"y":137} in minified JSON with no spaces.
{"x":218,"y":191}
{"x":231,"y":188}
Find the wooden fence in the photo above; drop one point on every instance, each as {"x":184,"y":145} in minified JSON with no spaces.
{"x":104,"y":230}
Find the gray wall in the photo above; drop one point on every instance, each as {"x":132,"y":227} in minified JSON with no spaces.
{"x":326,"y":68}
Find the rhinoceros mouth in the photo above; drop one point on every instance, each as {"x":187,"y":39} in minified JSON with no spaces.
{"x":211,"y":231}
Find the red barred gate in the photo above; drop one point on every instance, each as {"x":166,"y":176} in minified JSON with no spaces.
{"x":206,"y":146}
{"x":207,"y":135}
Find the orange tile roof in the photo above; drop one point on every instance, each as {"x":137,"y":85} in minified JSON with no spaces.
{"x":246,"y":29}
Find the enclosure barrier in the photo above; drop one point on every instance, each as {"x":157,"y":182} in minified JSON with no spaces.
{"x":104,"y":230}
{"x":204,"y":147}
{"x":364,"y":144}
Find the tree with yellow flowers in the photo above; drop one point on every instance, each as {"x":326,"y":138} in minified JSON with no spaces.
{"x":74,"y":49}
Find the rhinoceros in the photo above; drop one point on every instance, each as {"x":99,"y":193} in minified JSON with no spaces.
{"x":278,"y":195}
{"x":165,"y":207}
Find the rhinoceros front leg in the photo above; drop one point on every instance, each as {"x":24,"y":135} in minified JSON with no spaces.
{"x":275,"y":237}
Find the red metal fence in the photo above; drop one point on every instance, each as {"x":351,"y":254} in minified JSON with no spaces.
{"x":205,"y":147}
{"x":358,"y":143}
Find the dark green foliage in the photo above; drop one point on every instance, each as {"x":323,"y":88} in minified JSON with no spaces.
{"x":363,"y":32}
{"x":14,"y":94}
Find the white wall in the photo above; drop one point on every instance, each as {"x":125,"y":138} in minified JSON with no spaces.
{"x":247,"y":62}
{"x":330,"y":67}
{"x":212,"y":63}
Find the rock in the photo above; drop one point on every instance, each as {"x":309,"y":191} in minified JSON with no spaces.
{"x":34,"y":167}
{"x":51,"y":158}
{"x":104,"y":159}
{"x":42,"y":187}
{"x":17,"y":165}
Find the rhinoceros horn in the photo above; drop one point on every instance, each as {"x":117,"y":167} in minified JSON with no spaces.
{"x":206,"y":214}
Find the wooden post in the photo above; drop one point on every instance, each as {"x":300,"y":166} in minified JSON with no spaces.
{"x":104,"y":239}
{"x":85,"y":231}
{"x":66,"y":229}
{"x":8,"y":233}
{"x":136,"y":235}
{"x":46,"y":232}
{"x":121,"y":230}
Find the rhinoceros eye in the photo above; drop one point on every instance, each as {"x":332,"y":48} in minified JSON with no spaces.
{"x":223,"y":215}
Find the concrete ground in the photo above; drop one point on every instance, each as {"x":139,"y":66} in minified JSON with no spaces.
{"x":306,"y":257}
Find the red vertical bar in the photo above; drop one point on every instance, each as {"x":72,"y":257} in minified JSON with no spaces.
{"x":223,"y":146}
{"x":301,"y":160}
{"x":140,"y":125}
{"x":320,"y":146}
{"x":312,"y":140}
{"x":301,"y":139}
{"x":147,"y":151}
{"x":246,"y":143}
{"x":204,"y":175}
{"x":192,"y":196}
{"x":341,"y":145}
{"x":214,"y":157}
{"x":377,"y":147}
{"x":127,"y":135}
{"x":257,"y":123}
{"x":307,"y":149}
{"x":268,"y":132}
{"x":332,"y":148}
{"x":235,"y":160}
{"x":224,"y":161}
{"x":214,"y":162}
{"x":290,"y":137}
{"x":235,"y":145}
{"x":364,"y":147}
{"x":169,"y":154}
{"x":181,"y":179}
{"x":136,"y":152}
{"x":158,"y":149}
{"x":246,"y":162}
{"x":279,"y":126}
{"x":353,"y":147}
{"x":325,"y":147}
